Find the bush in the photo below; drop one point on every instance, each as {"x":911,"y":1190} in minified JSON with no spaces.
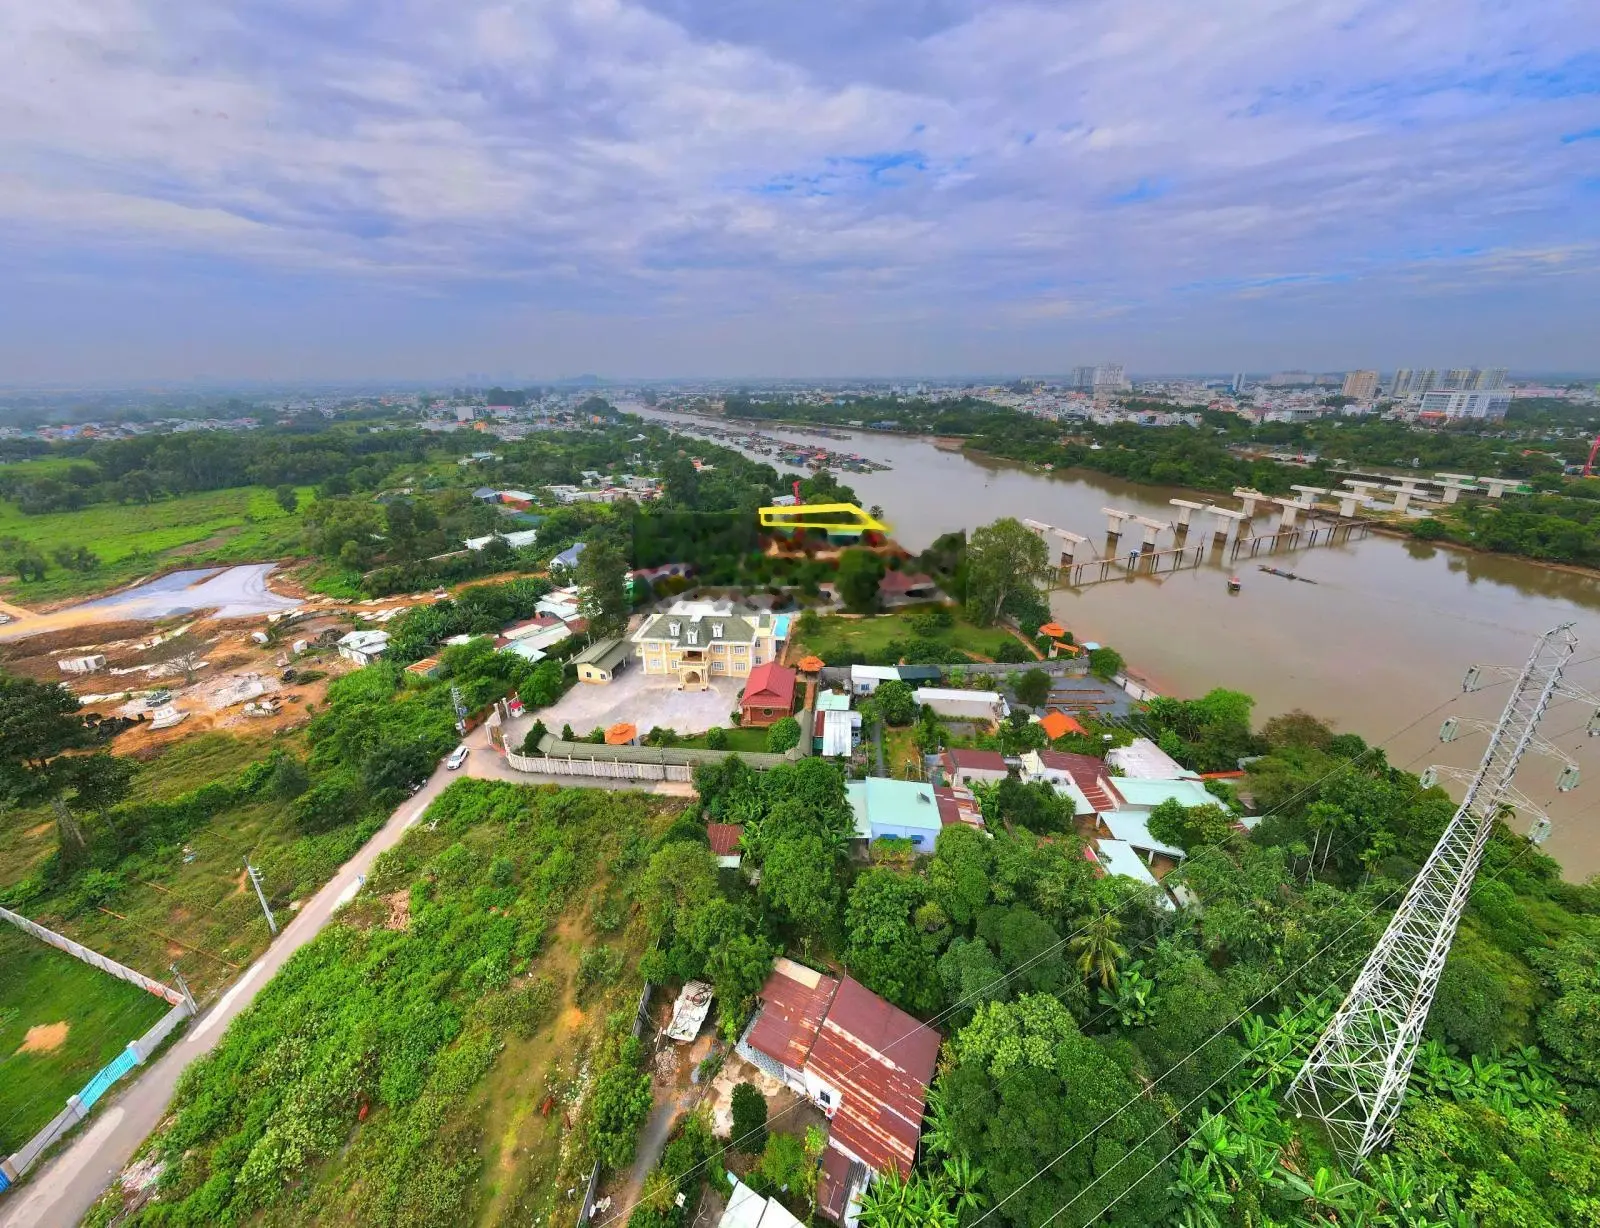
{"x":530,"y":744}
{"x":1105,"y":663}
{"x":896,"y":702}
{"x":599,"y":966}
{"x":1013,"y":652}
{"x":716,"y":738}
{"x":749,"y":1119}
{"x":783,"y":736}
{"x":932,"y":620}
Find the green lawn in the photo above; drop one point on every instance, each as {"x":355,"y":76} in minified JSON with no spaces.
{"x":43,"y":986}
{"x":743,"y":740}
{"x":242,"y":524}
{"x":840,"y":635}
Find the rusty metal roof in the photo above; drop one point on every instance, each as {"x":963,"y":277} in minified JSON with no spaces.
{"x":833,"y":1184}
{"x":724,"y":838}
{"x":794,"y":1001}
{"x":1087,"y":772}
{"x":880,"y":1061}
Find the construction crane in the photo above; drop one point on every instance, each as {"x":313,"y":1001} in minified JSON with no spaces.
{"x":1594,"y":450}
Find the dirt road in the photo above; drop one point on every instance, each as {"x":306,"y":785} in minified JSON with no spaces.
{"x":59,"y":1194}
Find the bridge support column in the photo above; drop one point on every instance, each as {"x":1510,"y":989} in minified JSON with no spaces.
{"x":1251,"y":498}
{"x":1289,"y":510}
{"x":1115,"y":520}
{"x":1308,"y":494}
{"x":1347,"y":504}
{"x":1498,"y":486}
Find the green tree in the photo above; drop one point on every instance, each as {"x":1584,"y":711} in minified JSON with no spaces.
{"x":602,"y":583}
{"x":860,"y":572}
{"x":1105,"y":663}
{"x":1003,"y":559}
{"x":617,"y":1106}
{"x":799,"y":878}
{"x":39,"y":723}
{"x":716,"y":737}
{"x":287,"y":498}
{"x":897,"y":702}
{"x":749,"y":1133}
{"x":1096,"y":950}
{"x":783,"y":735}
{"x":884,"y":951}
{"x":1033,"y":688}
{"x":1190,"y":827}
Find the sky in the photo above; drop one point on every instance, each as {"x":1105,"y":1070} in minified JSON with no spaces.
{"x":419,"y":189}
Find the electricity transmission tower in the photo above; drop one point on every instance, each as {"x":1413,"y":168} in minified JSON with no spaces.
{"x":1355,"y":1077}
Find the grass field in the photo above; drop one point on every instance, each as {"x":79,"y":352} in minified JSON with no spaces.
{"x":243,"y":524}
{"x":900,"y":754}
{"x":872,"y":636}
{"x":94,"y":1014}
{"x":193,"y":906}
{"x":743,"y":740}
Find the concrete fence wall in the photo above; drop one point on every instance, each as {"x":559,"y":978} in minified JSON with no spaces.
{"x":93,"y":958}
{"x":77,"y":1108}
{"x":1061,"y":667}
{"x":558,"y":758}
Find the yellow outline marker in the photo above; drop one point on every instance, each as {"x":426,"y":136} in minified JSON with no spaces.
{"x":804,"y":516}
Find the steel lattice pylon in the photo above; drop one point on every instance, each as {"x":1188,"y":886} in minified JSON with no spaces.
{"x":1355,"y":1077}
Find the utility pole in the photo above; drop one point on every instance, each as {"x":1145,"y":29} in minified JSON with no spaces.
{"x":1355,"y":1077}
{"x":255,"y":881}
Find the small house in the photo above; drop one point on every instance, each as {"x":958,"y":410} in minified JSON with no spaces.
{"x":768,"y":695}
{"x":895,"y":809}
{"x":989,"y":706}
{"x":1142,"y":759}
{"x":603,"y":660}
{"x":865,"y":679}
{"x":837,"y":728}
{"x":865,"y":1063}
{"x":1083,"y":778}
{"x":966,"y":766}
{"x":1059,"y":725}
{"x":902,"y":587}
{"x":568,"y":559}
{"x":363,"y":647}
{"x":747,"y":1209}
{"x":419,"y":671}
{"x":957,"y":805}
{"x":82,"y":665}
{"x":1115,"y":857}
{"x":724,"y":840}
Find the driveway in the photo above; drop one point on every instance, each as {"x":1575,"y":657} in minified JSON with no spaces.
{"x":642,"y":700}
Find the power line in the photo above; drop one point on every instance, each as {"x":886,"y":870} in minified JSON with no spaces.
{"x":1343,"y":765}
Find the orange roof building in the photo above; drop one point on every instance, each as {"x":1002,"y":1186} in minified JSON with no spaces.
{"x":811,"y":665}
{"x":1054,"y":630}
{"x":622,"y":734}
{"x":1059,"y":725}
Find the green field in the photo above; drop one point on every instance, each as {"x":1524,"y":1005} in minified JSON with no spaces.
{"x":840,"y":635}
{"x":194,"y":907}
{"x":745,"y":741}
{"x":41,"y":987}
{"x":242,"y":524}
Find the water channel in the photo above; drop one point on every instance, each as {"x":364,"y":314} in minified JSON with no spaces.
{"x":1379,"y":642}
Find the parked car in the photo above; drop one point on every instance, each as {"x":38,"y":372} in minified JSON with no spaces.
{"x":457,"y":757}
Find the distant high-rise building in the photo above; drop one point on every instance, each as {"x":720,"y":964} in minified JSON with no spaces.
{"x":1490,"y":378}
{"x":1458,"y":379}
{"x":1083,"y":377}
{"x":1409,"y":382}
{"x":1362,"y":385}
{"x":1108,"y":377}
{"x":1238,"y":383}
{"x":1488,"y":403}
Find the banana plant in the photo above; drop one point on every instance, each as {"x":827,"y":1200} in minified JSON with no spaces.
{"x":1326,"y":1190}
{"x":1202,"y":1197}
{"x":1133,"y":999}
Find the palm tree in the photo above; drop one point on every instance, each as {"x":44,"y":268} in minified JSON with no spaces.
{"x":1098,"y":952}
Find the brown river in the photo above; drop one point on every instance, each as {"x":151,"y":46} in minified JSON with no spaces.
{"x":1375,"y":646}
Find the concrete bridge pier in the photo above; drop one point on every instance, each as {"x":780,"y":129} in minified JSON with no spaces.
{"x":1185,"y":510}
{"x":1115,"y":520}
{"x":1347,"y":503}
{"x":1069,"y":545}
{"x":1308,"y":495}
{"x":1402,"y":495}
{"x":1289,"y":509}
{"x":1455,"y":485}
{"x":1251,"y":498}
{"x":1229,"y":523}
{"x":1498,"y":486}
{"x":1153,"y":529}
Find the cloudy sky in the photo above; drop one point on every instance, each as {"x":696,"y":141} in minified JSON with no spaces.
{"x":425,"y":188}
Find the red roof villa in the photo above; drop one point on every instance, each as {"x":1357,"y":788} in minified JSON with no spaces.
{"x":863,"y":1062}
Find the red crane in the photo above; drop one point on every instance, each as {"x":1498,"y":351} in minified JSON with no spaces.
{"x":1588,"y":465}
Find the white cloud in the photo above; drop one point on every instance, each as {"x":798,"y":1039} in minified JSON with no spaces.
{"x":1043,"y":162}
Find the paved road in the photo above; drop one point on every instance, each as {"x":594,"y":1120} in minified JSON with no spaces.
{"x":60,"y":1193}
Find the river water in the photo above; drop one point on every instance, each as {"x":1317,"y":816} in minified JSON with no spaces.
{"x":1381,"y":640}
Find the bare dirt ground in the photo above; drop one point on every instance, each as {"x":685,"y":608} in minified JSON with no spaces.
{"x":44,"y":1038}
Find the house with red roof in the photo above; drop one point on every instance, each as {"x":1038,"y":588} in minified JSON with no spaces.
{"x":768,"y":695}
{"x":865,"y":1063}
{"x":724,"y":841}
{"x":965,"y":766}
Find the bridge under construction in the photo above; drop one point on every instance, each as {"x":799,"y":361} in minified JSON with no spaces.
{"x":1201,"y":533}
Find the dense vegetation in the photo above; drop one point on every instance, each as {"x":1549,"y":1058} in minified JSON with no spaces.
{"x":353,"y":1088}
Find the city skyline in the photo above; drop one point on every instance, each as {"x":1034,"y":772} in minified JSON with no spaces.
{"x":677,"y":190}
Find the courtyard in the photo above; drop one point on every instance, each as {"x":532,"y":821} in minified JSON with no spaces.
{"x":637,"y":698}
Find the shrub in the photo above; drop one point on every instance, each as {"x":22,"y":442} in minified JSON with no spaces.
{"x":716,"y":738}
{"x":749,"y":1119}
{"x":783,"y":736}
{"x":1033,"y":688}
{"x":599,"y":966}
{"x":530,"y":744}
